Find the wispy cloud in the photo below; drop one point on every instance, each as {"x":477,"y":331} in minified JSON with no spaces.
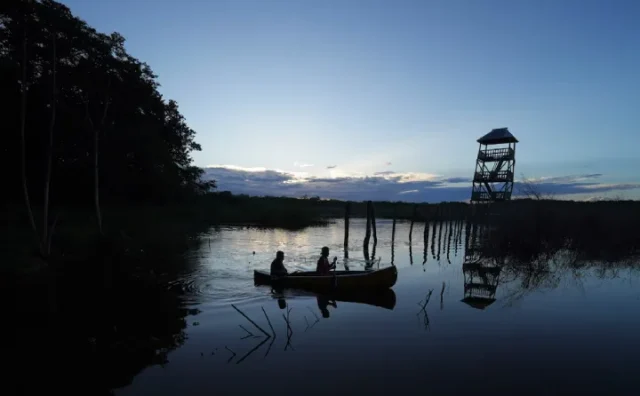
{"x":384,"y":173}
{"x":454,"y":180}
{"x":406,"y":177}
{"x":302,"y":165}
{"x":387,"y":185}
{"x":565,"y":179}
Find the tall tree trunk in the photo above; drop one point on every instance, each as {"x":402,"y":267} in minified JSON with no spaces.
{"x":23,"y":145}
{"x":96,"y":181}
{"x":96,"y":151}
{"x":45,"y":244}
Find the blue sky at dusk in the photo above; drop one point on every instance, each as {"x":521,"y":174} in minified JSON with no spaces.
{"x":392,"y":95}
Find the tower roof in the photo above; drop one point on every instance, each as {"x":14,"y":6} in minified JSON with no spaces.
{"x":498,"y":136}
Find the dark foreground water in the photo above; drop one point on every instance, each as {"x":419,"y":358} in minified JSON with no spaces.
{"x":555,"y":330}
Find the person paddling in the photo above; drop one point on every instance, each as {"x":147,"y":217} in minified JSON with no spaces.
{"x":323,"y":267}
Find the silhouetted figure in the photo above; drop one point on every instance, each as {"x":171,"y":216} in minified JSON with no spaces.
{"x":277,"y":266}
{"x":323,"y":267}
{"x":323,"y":303}
{"x":282,"y":303}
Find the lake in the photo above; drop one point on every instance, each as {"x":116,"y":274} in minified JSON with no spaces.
{"x":554,"y":329}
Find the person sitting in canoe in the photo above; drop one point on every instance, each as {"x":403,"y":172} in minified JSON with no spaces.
{"x":323,"y":267}
{"x":277,"y":266}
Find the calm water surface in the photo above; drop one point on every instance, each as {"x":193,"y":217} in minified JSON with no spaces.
{"x":547,"y":332}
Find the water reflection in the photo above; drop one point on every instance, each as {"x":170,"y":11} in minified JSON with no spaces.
{"x":136,"y":327}
{"x":425,"y":241}
{"x":423,"y":310}
{"x":481,"y":274}
{"x":88,"y":333}
{"x":324,"y":303}
{"x":384,"y":299}
{"x":480,"y":284}
{"x":393,"y":242}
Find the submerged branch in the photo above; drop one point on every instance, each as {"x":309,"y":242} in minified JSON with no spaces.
{"x":249,"y":334}
{"x":251,"y":321}
{"x":246,"y":355}
{"x":424,"y":306}
{"x":232,"y":356}
{"x":269,"y":321}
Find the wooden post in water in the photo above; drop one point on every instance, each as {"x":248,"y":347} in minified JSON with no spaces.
{"x":467,"y":231}
{"x":393,"y":237}
{"x":347,"y":213}
{"x":425,"y":237}
{"x":393,"y":228}
{"x":373,"y":257}
{"x":373,"y":225}
{"x":441,"y":221}
{"x":367,"y":235}
{"x":413,"y":219}
{"x":451,"y":230}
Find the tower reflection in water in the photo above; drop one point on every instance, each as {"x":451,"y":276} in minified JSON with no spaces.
{"x":481,"y":273}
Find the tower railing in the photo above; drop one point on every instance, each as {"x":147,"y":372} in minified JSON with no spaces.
{"x":497,"y":176}
{"x":496,"y":154}
{"x":493,"y":196}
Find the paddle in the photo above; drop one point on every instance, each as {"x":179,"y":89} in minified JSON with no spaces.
{"x":335,"y":277}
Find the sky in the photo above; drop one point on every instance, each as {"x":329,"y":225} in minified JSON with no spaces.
{"x":386,"y":98}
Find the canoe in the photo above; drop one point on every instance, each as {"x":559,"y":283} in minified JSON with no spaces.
{"x":385,"y":298}
{"x":337,"y":281}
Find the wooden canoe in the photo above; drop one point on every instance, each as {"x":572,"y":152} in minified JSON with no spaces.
{"x":337,"y":281}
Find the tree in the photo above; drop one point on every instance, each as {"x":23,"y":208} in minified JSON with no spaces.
{"x":89,"y":113}
{"x":529,"y":189}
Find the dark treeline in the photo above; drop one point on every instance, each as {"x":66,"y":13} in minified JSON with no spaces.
{"x":84,"y":115}
{"x":85,"y":124}
{"x":87,"y":138}
{"x":319,"y":209}
{"x":82,"y":89}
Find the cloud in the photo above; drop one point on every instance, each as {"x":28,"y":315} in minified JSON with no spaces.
{"x":574,"y":184}
{"x":302,"y":165}
{"x":566,"y":179}
{"x":387,"y":185}
{"x":406,"y":177}
{"x":454,"y":180}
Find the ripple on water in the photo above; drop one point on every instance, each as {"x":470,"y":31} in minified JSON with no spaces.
{"x":221,"y":287}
